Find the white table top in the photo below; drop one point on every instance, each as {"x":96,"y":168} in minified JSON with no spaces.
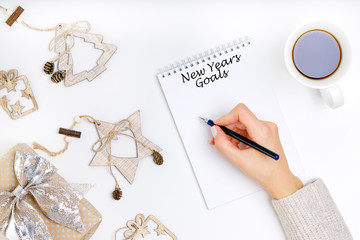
{"x":150,"y":35}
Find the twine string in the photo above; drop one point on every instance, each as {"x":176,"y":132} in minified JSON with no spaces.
{"x":64,"y":35}
{"x":53,"y":154}
{"x":112,"y":134}
{"x":31,"y":27}
{"x":75,"y":27}
{"x":39,"y":29}
{"x":107,"y":140}
{"x":128,"y":237}
{"x":90,"y":119}
{"x":117,"y":129}
{"x":88,"y":27}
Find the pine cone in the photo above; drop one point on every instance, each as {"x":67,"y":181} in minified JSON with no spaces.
{"x":58,"y":76}
{"x":49,"y":68}
{"x":158,"y":159}
{"x":117,"y":194}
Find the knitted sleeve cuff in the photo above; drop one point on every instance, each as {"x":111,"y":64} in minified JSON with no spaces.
{"x":310,"y":213}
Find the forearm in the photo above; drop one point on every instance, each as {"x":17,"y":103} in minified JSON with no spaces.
{"x":310,"y":213}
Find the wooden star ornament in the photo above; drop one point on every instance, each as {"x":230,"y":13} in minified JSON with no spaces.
{"x":126,"y":165}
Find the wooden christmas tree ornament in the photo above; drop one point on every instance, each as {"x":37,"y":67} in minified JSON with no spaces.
{"x":66,"y":61}
{"x":62,"y":44}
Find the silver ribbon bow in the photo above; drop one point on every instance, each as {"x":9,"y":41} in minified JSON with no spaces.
{"x":57,"y":199}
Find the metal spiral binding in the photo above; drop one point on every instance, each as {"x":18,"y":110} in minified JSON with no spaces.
{"x":205,"y":56}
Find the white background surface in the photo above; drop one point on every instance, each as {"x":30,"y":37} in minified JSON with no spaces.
{"x":150,"y":35}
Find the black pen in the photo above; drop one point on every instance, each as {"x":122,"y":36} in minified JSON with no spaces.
{"x":243,"y":139}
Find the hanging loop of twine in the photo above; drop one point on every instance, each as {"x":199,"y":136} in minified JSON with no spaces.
{"x":90,"y":119}
{"x":68,"y":32}
{"x":111,"y":135}
{"x":69,"y":43}
{"x":74,"y":25}
{"x":31,"y":27}
{"x":53,"y":154}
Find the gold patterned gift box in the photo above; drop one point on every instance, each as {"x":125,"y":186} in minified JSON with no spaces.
{"x":90,"y":217}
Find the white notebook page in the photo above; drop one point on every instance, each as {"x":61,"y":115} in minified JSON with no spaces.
{"x":210,"y":88}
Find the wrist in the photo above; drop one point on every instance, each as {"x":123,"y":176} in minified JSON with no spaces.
{"x":287,"y":187}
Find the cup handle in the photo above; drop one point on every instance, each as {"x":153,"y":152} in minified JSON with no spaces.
{"x":333,"y":96}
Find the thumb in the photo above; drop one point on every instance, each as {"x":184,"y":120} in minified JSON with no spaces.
{"x":224,"y":145}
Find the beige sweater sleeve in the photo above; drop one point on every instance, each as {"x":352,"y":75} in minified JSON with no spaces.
{"x":311,"y":214}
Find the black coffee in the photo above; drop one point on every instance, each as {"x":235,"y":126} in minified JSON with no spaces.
{"x":317,"y":54}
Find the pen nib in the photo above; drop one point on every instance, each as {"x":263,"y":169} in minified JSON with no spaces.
{"x":208,"y":121}
{"x":204,"y":119}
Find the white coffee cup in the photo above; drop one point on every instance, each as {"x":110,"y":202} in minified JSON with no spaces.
{"x":328,"y":86}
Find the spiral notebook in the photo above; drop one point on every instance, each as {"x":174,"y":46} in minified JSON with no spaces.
{"x":210,"y":85}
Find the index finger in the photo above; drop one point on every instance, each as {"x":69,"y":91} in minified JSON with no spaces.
{"x":241,"y":113}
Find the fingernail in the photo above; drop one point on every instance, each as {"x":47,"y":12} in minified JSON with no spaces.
{"x":213,"y":131}
{"x":241,"y":145}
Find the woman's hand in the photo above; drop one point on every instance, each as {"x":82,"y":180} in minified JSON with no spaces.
{"x":274,"y":176}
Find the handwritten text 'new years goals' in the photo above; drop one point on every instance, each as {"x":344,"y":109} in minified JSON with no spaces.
{"x":211,"y":72}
